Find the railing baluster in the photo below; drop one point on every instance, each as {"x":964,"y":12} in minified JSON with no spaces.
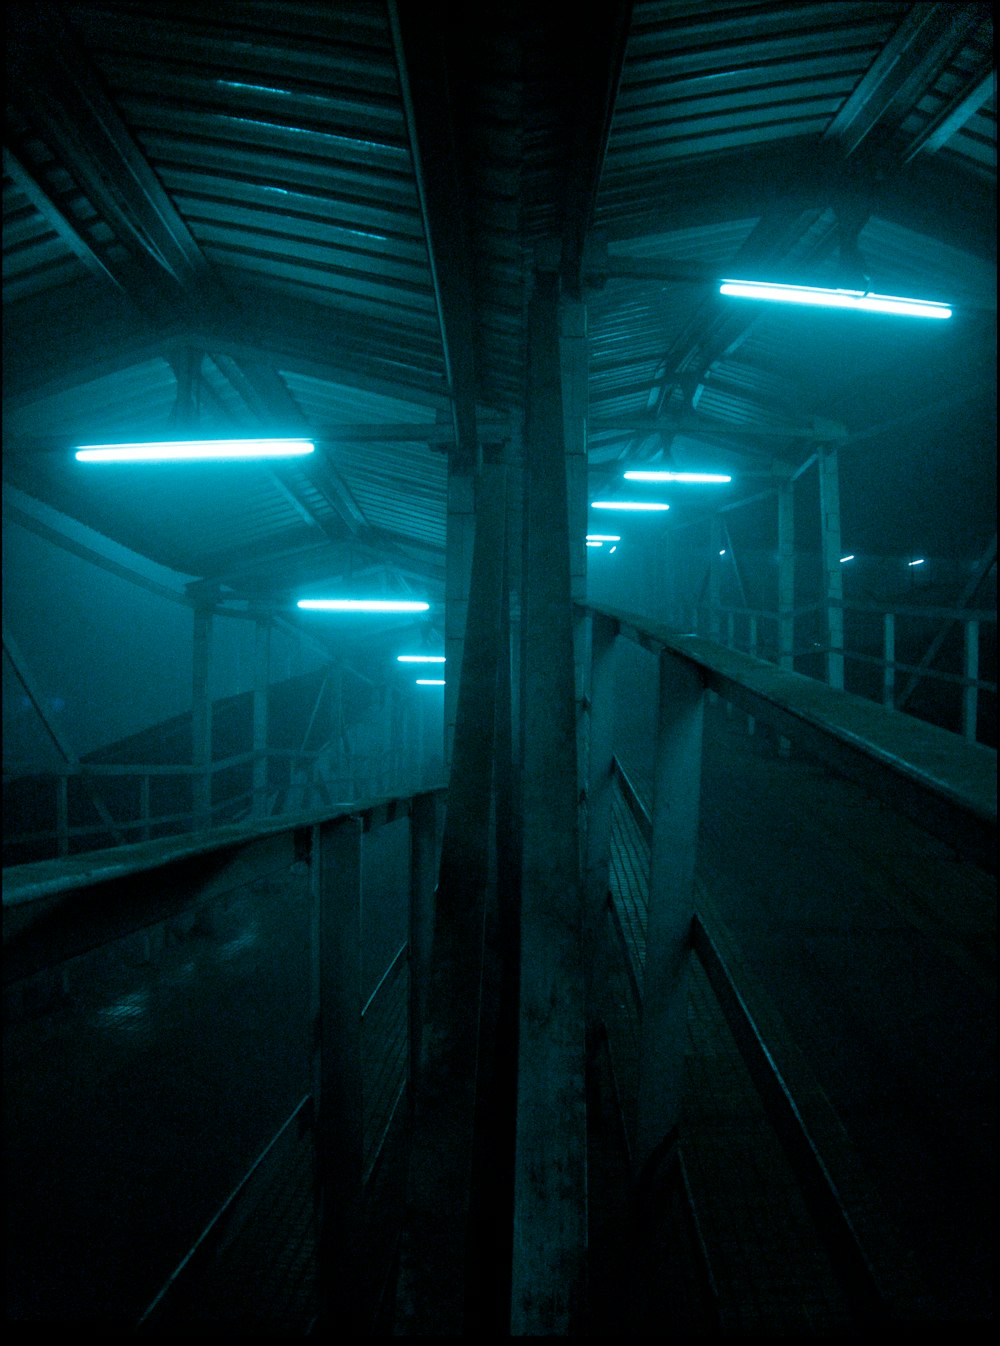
{"x":676,"y":791}
{"x":337,"y":1080}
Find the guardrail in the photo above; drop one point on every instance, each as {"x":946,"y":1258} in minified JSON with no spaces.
{"x":363,"y":1056}
{"x":944,"y":783}
{"x":756,"y":631}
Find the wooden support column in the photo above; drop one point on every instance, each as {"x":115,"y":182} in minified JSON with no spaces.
{"x":676,"y":792}
{"x":435,"y":1257}
{"x":335,"y":884}
{"x":201,"y":719}
{"x":460,"y":539}
{"x":550,"y":1193}
{"x":261,"y":683}
{"x":833,"y":571}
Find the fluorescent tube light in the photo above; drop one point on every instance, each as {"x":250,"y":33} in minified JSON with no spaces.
{"x":627,"y":504}
{"x":360,"y":605}
{"x":722,"y":552}
{"x":430,"y":682}
{"x":847,"y":558}
{"x":613,"y":550}
{"x":677,"y":476}
{"x":194,"y":450}
{"x":919,"y":562}
{"x":420,"y":658}
{"x":603,"y":537}
{"x":595,"y":544}
{"x":834,"y":298}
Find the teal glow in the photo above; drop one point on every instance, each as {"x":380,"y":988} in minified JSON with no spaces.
{"x":194,"y":450}
{"x":677,"y":476}
{"x":603,"y":537}
{"x":430,"y":682}
{"x":628,"y":504}
{"x":360,"y":605}
{"x":834,"y":298}
{"x":420,"y":658}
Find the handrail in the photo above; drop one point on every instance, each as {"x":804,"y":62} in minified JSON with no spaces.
{"x":944,"y":783}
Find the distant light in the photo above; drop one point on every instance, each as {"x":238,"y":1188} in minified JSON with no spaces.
{"x":834,"y":298}
{"x":360,"y":605}
{"x":723,"y":552}
{"x":628,"y":504}
{"x":919,"y":562}
{"x":430,"y":682}
{"x":595,"y":544}
{"x":677,"y":476}
{"x":847,"y":558}
{"x":420,"y":658}
{"x":612,"y":551}
{"x":191,"y":450}
{"x":603,"y":537}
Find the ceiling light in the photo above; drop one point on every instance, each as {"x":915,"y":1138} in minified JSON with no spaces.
{"x":360,"y":605}
{"x":847,"y":558}
{"x":834,"y":298}
{"x":430,"y":682}
{"x":918,"y":562}
{"x":603,"y":537}
{"x":191,"y":450}
{"x":677,"y":476}
{"x":627,"y":504}
{"x":595,"y":544}
{"x":612,"y":551}
{"x":420,"y":658}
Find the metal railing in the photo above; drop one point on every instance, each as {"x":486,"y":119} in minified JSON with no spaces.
{"x":944,"y":783}
{"x":756,"y":631}
{"x":57,"y":910}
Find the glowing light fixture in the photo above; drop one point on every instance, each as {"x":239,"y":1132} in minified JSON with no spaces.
{"x":420,"y":658}
{"x":612,"y":551}
{"x":722,"y":552}
{"x":430,"y":682}
{"x":847,"y":558}
{"x":834,"y":298}
{"x":603,"y":537}
{"x":360,"y":605}
{"x":628,"y":504}
{"x":677,"y":476}
{"x":194,"y":450}
{"x":595,"y":544}
{"x":918,"y":562}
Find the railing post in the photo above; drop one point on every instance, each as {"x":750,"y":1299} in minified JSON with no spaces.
{"x":423,"y":879}
{"x":676,"y":797}
{"x":751,"y":721}
{"x":62,"y":814}
{"x":970,"y":674}
{"x":335,"y":884}
{"x":833,"y":572}
{"x":600,"y":796}
{"x":786,"y":585}
{"x":889,"y":660}
{"x":261,"y":681}
{"x":144,"y":806}
{"x":461,"y":533}
{"x":201,"y":719}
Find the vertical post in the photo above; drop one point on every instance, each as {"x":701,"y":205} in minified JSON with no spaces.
{"x":201,"y":719}
{"x":970,"y":674}
{"x":460,"y":539}
{"x":423,"y":876}
{"x":676,"y":792}
{"x":751,"y":720}
{"x":833,"y":571}
{"x":550,"y":1205}
{"x":261,"y":682}
{"x":889,"y":660}
{"x":714,"y":577}
{"x":335,"y":883}
{"x":62,"y":813}
{"x":786,"y":585}
{"x":731,"y":644}
{"x":573,"y":373}
{"x":600,"y":797}
{"x":144,"y":806}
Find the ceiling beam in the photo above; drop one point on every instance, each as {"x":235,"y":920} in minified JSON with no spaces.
{"x":418,"y":37}
{"x":978,"y":89}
